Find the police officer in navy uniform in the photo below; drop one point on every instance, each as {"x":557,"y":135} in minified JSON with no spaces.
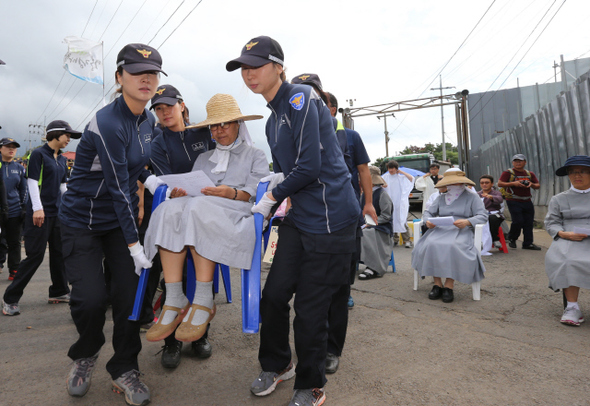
{"x":46,"y":179}
{"x":13,"y":175}
{"x":99,"y":220}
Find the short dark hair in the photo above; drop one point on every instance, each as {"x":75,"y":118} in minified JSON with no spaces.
{"x":434,"y":165}
{"x":333,"y":100}
{"x":490,"y":177}
{"x":392,"y":164}
{"x":53,"y":135}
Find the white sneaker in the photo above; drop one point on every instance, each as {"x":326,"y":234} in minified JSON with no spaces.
{"x":409,"y":244}
{"x":572,"y":316}
{"x":498,"y":244}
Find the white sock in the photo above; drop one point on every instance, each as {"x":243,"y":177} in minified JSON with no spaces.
{"x":203,"y":297}
{"x":573,"y":305}
{"x":174,"y":297}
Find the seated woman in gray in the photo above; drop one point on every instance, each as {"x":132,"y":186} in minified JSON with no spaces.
{"x":448,"y":251}
{"x":567,"y":263}
{"x":216,"y":227}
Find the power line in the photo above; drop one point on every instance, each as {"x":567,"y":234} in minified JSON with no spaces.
{"x":173,"y":31}
{"x":166,"y":22}
{"x":86,"y":26}
{"x":525,"y":54}
{"x":128,"y":25}
{"x":110,"y":21}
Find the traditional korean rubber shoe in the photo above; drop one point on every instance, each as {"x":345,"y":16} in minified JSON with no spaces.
{"x":435,"y":293}
{"x":447,"y":295}
{"x":188,"y":332}
{"x":160,"y":331}
{"x":267,"y":382}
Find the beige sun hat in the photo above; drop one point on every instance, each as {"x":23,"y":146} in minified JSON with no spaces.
{"x":223,"y":108}
{"x":454,"y":177}
{"x":376,"y":176}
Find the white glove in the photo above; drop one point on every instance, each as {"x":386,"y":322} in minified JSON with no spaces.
{"x":139,"y":258}
{"x":264,"y":205}
{"x":274,"y":179}
{"x":152,"y":183}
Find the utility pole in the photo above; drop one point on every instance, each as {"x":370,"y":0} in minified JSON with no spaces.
{"x":386,"y":133}
{"x":442,"y":116}
{"x":555,"y":66}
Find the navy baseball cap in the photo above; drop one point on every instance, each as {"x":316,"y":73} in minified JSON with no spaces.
{"x":166,"y":94}
{"x":8,"y":141}
{"x":308,"y":79}
{"x":138,"y":58}
{"x":576,"y":160}
{"x":258,"y":52}
{"x":60,"y":125}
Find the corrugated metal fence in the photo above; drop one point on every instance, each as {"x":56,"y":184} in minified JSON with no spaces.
{"x":558,"y":130}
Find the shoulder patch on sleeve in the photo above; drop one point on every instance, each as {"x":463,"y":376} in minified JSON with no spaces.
{"x":297,"y":101}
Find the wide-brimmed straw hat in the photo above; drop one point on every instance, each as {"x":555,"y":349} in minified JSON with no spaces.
{"x":223,"y":108}
{"x":454,"y":177}
{"x":576,"y":160}
{"x":376,"y":176}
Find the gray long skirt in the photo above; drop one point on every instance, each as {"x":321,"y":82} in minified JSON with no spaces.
{"x":220,"y":229}
{"x":376,"y":250}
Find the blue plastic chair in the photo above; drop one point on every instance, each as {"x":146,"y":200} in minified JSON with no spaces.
{"x":251,"y":289}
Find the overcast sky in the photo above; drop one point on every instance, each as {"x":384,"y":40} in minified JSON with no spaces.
{"x":372,"y":51}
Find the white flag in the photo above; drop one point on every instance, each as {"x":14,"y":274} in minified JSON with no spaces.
{"x":84,"y":59}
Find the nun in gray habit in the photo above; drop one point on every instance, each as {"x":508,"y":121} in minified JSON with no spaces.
{"x":448,"y":251}
{"x":567,"y":263}
{"x":377,"y":240}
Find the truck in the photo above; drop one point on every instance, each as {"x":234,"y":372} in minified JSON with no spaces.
{"x":420,"y":162}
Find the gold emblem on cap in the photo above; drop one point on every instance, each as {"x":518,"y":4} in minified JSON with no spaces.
{"x":145,"y":53}
{"x":304,"y":77}
{"x":10,"y":139}
{"x":250,"y":45}
{"x":159,"y":92}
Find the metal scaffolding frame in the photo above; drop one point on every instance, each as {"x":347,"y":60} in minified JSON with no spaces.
{"x":459,"y":100}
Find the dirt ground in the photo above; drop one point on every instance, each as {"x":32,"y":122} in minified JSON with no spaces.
{"x":402,"y":349}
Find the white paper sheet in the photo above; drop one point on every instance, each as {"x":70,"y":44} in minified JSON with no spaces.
{"x":582,"y":230}
{"x":442,"y":221}
{"x":192,"y":182}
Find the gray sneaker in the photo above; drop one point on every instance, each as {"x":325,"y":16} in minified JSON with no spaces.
{"x":572,"y":316}
{"x":60,"y":299}
{"x":267,"y":382}
{"x":10,"y":309}
{"x":136,"y":392}
{"x":308,"y":397}
{"x":78,"y":381}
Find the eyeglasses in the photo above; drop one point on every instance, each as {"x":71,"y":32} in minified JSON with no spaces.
{"x":223,"y":126}
{"x":578,"y":172}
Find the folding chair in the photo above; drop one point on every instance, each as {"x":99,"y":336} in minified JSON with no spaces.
{"x":475,"y":286}
{"x":251,"y":290}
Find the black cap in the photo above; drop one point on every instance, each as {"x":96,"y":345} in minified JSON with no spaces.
{"x":137,"y":58}
{"x":308,"y":79}
{"x":8,"y":141}
{"x":258,"y":52}
{"x":60,"y":125}
{"x":166,"y":94}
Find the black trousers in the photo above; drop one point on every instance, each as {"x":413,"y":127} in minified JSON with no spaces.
{"x":494,"y":223}
{"x":10,"y":242}
{"x":523,"y":216}
{"x":36,"y":240}
{"x":338,"y":314}
{"x":313,"y":267}
{"x":84,"y":251}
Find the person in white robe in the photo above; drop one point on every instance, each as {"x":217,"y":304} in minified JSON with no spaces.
{"x":567,"y":263}
{"x":426,"y":184}
{"x":399,"y":186}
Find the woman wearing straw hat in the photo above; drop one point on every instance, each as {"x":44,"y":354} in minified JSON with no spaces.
{"x":216,"y":227}
{"x":567,"y":263}
{"x":174,"y":151}
{"x":448,"y":251}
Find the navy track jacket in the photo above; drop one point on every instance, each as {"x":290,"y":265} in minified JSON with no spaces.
{"x":110,"y":158}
